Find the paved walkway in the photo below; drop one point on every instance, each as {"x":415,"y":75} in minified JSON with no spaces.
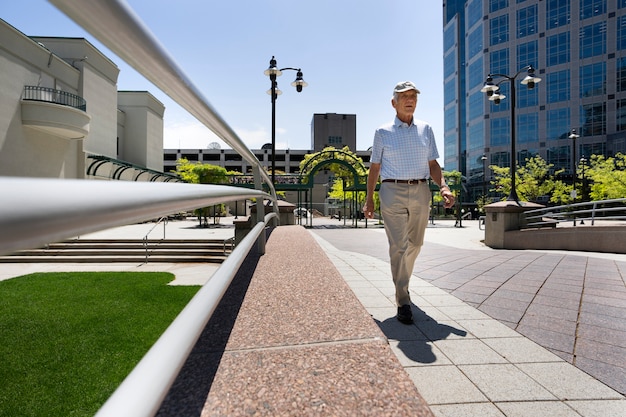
{"x":496,"y":331}
{"x":463,"y":361}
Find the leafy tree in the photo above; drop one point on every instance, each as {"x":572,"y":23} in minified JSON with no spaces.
{"x":608,"y":176}
{"x":199,"y":173}
{"x":532,"y":181}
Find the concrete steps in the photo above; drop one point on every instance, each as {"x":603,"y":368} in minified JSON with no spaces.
{"x":126,"y":250}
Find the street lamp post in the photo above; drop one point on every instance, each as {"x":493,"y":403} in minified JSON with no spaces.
{"x":484,"y":159}
{"x":273,"y":72}
{"x":573,"y":136}
{"x":492,"y":91}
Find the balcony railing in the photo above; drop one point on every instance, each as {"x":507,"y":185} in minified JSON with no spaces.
{"x":51,"y":95}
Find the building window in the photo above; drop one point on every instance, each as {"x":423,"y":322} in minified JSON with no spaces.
{"x":557,"y":49}
{"x":474,"y":12}
{"x":450,"y":118}
{"x":527,"y":21}
{"x":593,"y":80}
{"x":500,"y":131}
{"x":334,"y":140}
{"x":591,"y":8}
{"x":476,"y":105}
{"x":449,"y":65}
{"x":598,"y":148}
{"x":501,"y":159}
{"x":593,"y":40}
{"x":475,"y":42}
{"x":499,"y":64}
{"x":558,"y":13}
{"x":559,"y":124}
{"x":476,"y":74}
{"x":499,"y":30}
{"x":477,"y":136}
{"x":495,"y":5}
{"x":621,"y":114}
{"x":525,"y":154}
{"x":621,"y":32}
{"x":593,"y":119}
{"x":449,"y":91}
{"x":559,"y":156}
{"x":621,"y":3}
{"x":527,"y":128}
{"x":449,"y":37}
{"x":527,"y":54}
{"x":558,"y":86}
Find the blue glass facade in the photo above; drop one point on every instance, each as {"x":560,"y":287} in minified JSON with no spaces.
{"x":578,"y":48}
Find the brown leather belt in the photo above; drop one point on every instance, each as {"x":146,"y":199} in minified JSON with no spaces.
{"x":410,"y":182}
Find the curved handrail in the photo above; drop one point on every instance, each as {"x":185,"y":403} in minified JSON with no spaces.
{"x":52,"y":95}
{"x":614,"y":209}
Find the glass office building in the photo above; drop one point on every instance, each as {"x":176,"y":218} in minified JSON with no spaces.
{"x":578,"y":48}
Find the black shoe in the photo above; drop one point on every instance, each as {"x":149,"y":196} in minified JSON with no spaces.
{"x":405,"y":315}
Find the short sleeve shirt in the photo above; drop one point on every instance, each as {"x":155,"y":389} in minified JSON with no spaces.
{"x":404,"y":150}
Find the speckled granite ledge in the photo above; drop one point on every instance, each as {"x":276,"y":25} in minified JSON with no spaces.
{"x":291,"y":339}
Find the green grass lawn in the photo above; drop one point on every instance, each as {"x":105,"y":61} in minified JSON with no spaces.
{"x":67,"y":340}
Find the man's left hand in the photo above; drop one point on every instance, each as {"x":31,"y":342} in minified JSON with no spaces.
{"x":448,"y":198}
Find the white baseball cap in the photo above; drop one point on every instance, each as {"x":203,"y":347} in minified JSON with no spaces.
{"x":405,"y":86}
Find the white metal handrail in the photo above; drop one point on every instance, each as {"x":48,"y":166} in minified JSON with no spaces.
{"x":117,"y":26}
{"x":163,"y":220}
{"x":143,"y":390}
{"x":609,"y":210}
{"x":35,"y":212}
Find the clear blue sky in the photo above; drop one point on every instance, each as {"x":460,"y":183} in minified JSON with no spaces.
{"x":352,"y":53}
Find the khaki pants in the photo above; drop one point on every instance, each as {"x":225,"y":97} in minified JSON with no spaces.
{"x":405,"y":209}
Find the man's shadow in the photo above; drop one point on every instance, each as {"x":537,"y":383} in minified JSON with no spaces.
{"x":414,"y":340}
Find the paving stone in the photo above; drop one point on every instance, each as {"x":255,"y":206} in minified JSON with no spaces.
{"x":444,"y":385}
{"x":615,"y":408}
{"x":567,"y":382}
{"x":520,"y":350}
{"x":504,"y":382}
{"x":467,"y":410}
{"x":487,"y":328}
{"x":469,"y":351}
{"x":537,"y":409}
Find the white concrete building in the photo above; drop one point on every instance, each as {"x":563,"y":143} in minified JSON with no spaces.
{"x":62,"y":116}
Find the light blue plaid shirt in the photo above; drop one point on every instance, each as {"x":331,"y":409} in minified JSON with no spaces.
{"x":404,"y":151}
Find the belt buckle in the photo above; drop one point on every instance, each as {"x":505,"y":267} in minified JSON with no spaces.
{"x":412,"y":182}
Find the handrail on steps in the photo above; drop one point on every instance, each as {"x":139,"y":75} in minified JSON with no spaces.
{"x":145,"y":238}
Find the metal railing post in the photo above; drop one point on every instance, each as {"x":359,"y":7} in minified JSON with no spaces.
{"x":260,"y":209}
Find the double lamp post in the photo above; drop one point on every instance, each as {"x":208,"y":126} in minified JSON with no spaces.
{"x":273,"y":72}
{"x":493,"y":92}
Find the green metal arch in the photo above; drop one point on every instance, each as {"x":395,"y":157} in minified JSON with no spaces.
{"x":322,"y":155}
{"x":321,"y":164}
{"x":329,"y":157}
